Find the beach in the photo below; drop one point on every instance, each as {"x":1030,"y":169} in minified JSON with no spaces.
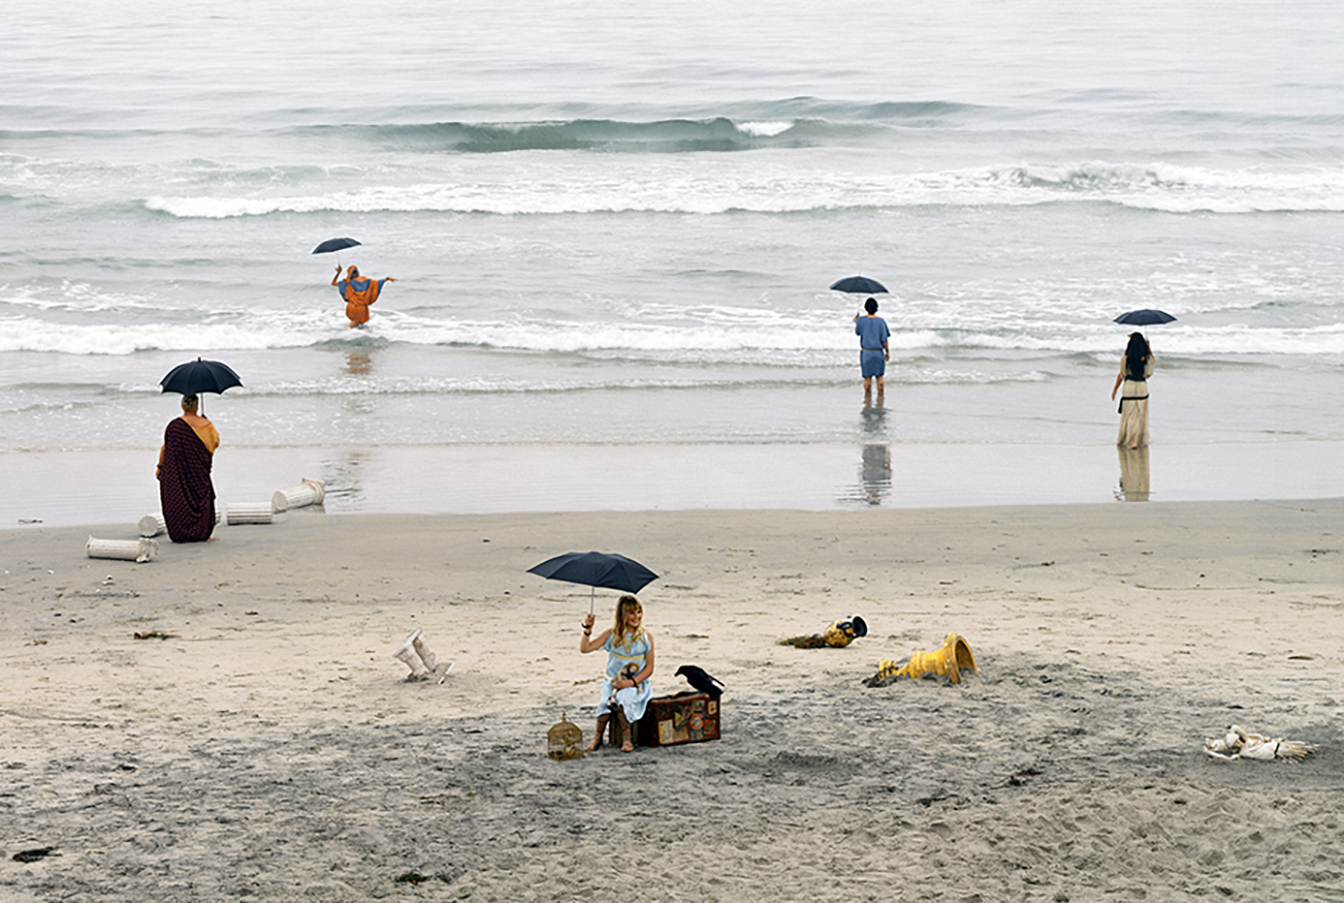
{"x":613,"y":329}
{"x":269,"y":747}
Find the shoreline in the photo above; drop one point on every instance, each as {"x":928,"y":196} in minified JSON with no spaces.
{"x":62,"y":488}
{"x":270,"y":742}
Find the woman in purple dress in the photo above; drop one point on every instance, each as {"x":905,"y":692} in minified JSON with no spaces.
{"x":186,"y":494}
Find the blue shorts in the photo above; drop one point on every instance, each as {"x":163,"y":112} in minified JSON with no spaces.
{"x":874,"y":363}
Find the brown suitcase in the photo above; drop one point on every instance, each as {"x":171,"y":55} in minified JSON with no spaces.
{"x":684,"y":718}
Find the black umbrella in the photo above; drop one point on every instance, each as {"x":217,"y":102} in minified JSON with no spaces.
{"x":859,"y":285}
{"x":335,"y":244}
{"x":595,"y":569}
{"x":1144,"y":317}
{"x":195,"y":377}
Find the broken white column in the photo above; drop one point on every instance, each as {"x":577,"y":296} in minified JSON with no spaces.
{"x":407,"y":653}
{"x":426,"y":655}
{"x":250,"y":513}
{"x":142,"y":549}
{"x":310,"y":492}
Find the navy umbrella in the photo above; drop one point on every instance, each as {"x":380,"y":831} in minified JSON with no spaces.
{"x":335,"y":244}
{"x":859,"y":285}
{"x":198,"y":376}
{"x":1144,"y":317}
{"x":595,"y":569}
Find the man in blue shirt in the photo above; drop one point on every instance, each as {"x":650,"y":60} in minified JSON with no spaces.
{"x":873,"y":354}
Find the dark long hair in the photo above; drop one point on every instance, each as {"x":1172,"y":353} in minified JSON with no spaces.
{"x":1136,"y":356}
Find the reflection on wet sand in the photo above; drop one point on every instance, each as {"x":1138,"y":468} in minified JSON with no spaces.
{"x":1134,"y":480}
{"x":875,"y":467}
{"x":344,"y":477}
{"x":358,"y":363}
{"x":875,"y":473}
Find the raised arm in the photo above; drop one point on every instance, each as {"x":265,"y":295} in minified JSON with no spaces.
{"x":589,"y":643}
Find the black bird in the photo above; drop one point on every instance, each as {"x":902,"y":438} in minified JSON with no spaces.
{"x":696,"y":677}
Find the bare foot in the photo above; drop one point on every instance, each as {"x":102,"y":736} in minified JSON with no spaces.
{"x":593,"y":745}
{"x":627,"y":746}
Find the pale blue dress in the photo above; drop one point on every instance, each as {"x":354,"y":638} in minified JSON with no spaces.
{"x":873,"y":334}
{"x":632,"y":700}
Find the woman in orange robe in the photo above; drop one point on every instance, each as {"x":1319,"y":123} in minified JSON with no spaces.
{"x":358,"y":293}
{"x":186,"y":494}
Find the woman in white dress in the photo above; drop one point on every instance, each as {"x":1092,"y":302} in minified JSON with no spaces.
{"x":626,"y":688}
{"x":1135,"y":368}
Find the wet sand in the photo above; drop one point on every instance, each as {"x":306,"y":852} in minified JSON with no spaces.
{"x":117,"y":485}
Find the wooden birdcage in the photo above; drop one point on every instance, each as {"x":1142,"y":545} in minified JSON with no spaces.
{"x":564,"y":740}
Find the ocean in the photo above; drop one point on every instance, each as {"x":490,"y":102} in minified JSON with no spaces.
{"x":613,"y":229}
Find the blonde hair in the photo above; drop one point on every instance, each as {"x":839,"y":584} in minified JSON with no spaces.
{"x":619,"y":637}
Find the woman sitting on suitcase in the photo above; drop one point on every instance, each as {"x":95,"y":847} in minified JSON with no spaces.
{"x":626,"y":643}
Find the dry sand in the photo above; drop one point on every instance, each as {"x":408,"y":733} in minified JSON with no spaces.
{"x":271,"y":749}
